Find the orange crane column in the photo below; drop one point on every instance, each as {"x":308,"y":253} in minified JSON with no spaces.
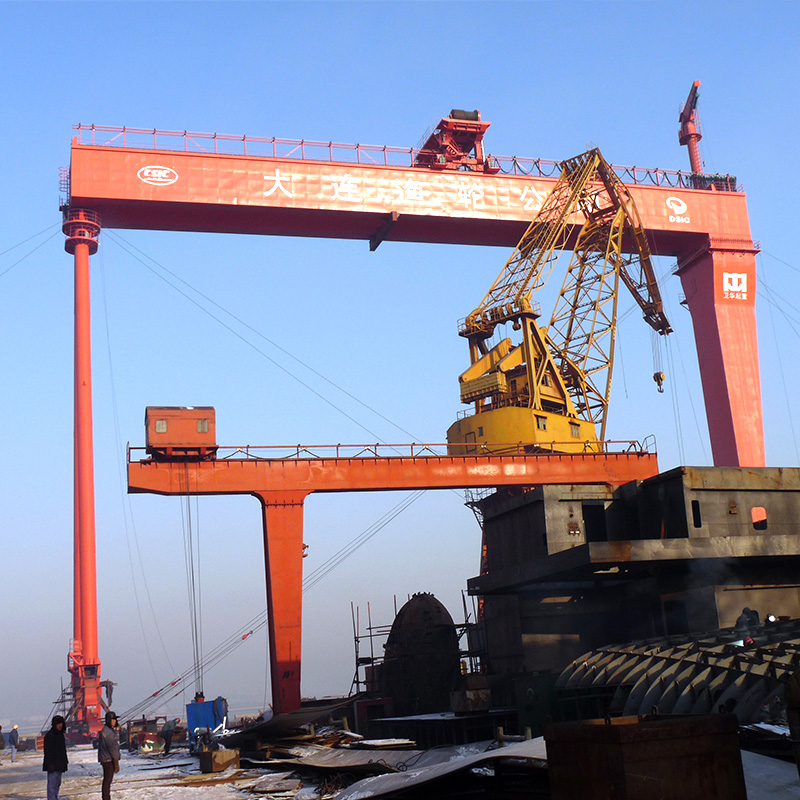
{"x":719,"y":282}
{"x":82,"y":228}
{"x":689,"y":133}
{"x":283,"y":557}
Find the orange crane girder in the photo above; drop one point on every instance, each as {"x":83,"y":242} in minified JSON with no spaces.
{"x":213,"y":192}
{"x":281,"y":485}
{"x":171,"y":190}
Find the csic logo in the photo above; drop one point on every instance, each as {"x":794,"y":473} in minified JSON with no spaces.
{"x":157,"y":176}
{"x":678,"y":208}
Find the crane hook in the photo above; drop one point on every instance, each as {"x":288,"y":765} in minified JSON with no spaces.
{"x":658,"y":377}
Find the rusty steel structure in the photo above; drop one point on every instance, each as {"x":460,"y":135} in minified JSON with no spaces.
{"x":735,"y":670}
{"x":641,"y":569}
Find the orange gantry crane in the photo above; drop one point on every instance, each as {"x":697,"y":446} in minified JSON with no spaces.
{"x":183,"y":460}
{"x":448,"y":191}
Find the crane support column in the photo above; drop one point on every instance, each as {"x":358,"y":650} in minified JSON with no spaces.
{"x":719,"y":281}
{"x":283,"y":556}
{"x":81,"y":228}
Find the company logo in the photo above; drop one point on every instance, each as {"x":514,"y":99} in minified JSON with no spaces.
{"x":678,"y":208}
{"x":734,"y":285}
{"x":157,"y":176}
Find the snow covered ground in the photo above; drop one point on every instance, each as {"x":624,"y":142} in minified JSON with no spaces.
{"x":176,"y":777}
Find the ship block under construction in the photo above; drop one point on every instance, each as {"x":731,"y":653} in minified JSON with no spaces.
{"x":572,"y":568}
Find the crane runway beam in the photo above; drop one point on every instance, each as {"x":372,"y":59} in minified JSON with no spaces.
{"x":281,"y":485}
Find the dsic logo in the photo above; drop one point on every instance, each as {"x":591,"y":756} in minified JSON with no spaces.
{"x":157,"y":176}
{"x":678,"y":207}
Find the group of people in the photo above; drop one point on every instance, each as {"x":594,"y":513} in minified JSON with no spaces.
{"x":56,"y":763}
{"x":13,"y":742}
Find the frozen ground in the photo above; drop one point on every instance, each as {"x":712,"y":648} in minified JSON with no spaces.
{"x":140,"y":778}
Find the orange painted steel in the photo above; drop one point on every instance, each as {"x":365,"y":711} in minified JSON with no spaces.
{"x":719,"y":281}
{"x":289,"y":196}
{"x":81,"y":228}
{"x":282,"y":484}
{"x":689,"y":133}
{"x":198,"y":189}
{"x":258,"y":475}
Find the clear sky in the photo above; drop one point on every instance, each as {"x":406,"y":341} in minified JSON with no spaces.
{"x":552,"y":78}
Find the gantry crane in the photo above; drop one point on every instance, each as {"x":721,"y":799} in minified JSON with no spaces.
{"x":448,"y":191}
{"x":553,"y":386}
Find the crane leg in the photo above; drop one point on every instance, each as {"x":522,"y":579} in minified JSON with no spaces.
{"x":720,"y":287}
{"x":283,"y":556}
{"x":82,"y":228}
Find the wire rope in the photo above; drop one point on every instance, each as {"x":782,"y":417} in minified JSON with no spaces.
{"x":262,"y":336}
{"x":30,"y":238}
{"x":119,"y":462}
{"x":191,"y":585}
{"x":256,"y":623}
{"x":344,"y":553}
{"x":675,"y":408}
{"x":762,"y":280}
{"x":774,"y":301}
{"x":29,"y":253}
{"x":785,"y":263}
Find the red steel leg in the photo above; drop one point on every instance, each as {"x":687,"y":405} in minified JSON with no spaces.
{"x":82,"y":228}
{"x":283,"y":555}
{"x":720,"y":288}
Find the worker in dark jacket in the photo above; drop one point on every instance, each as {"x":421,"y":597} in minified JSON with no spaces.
{"x":55,"y":756}
{"x":167,"y":732}
{"x":13,"y":742}
{"x":108,"y":752}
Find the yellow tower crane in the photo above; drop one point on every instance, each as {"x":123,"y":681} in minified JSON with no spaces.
{"x":550,"y":391}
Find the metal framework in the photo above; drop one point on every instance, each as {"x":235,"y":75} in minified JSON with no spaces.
{"x":575,"y":354}
{"x":149,"y":179}
{"x":341,"y":152}
{"x":281,"y":485}
{"x":196,"y":189}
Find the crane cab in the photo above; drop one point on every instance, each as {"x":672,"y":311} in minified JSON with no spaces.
{"x":185,"y":433}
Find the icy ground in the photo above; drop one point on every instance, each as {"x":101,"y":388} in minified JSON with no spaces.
{"x":176,"y":777}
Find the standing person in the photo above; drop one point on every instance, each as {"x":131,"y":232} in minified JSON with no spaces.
{"x":2,"y":741}
{"x":167,"y":732}
{"x":13,"y":741}
{"x":55,"y":756}
{"x":108,"y":752}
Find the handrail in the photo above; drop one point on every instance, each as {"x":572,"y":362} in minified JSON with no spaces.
{"x":379,"y":155}
{"x":419,"y":450}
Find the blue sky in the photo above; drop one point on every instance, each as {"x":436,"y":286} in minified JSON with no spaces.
{"x":553,"y":78}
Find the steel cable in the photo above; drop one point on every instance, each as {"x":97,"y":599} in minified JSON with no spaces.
{"x":30,"y":252}
{"x":121,"y":482}
{"x":255,"y":624}
{"x":780,"y":360}
{"x":122,"y":243}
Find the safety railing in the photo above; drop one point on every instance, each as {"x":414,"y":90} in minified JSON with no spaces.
{"x":366,"y":154}
{"x":414,"y":450}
